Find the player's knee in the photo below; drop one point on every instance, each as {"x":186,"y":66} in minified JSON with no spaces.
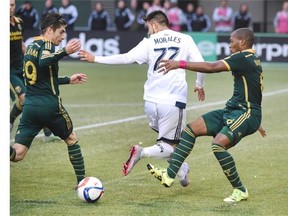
{"x":19,"y":156}
{"x":21,"y":99}
{"x":72,"y":139}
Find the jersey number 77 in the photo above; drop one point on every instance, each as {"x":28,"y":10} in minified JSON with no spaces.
{"x":172,"y":52}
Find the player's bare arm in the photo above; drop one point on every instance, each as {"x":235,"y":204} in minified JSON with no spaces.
{"x":204,"y":67}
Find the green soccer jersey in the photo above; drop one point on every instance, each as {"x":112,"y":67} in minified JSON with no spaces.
{"x":248,"y":80}
{"x":41,"y":73}
{"x":16,"y":39}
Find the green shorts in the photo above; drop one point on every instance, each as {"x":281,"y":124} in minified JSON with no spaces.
{"x":235,"y":124}
{"x":17,"y":85}
{"x":34,"y":118}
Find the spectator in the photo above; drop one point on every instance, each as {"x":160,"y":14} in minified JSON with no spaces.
{"x":222,"y":17}
{"x":49,"y":7}
{"x":124,"y":17}
{"x":281,"y":20}
{"x":156,"y":5}
{"x":29,"y":15}
{"x":99,"y":19}
{"x":188,"y":17}
{"x":166,"y":6}
{"x":242,"y":18}
{"x":69,"y":12}
{"x":200,"y":21}
{"x":175,"y":16}
{"x":142,"y":13}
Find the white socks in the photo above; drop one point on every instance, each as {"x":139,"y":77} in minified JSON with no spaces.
{"x":160,"y":150}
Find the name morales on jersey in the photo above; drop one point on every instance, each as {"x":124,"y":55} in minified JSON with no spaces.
{"x":167,"y":39}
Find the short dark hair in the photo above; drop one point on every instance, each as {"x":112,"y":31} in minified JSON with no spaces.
{"x":245,"y":34}
{"x":53,"y":20}
{"x":157,"y":16}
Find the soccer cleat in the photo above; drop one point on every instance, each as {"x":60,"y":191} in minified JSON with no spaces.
{"x":236,"y":196}
{"x":135,"y":153}
{"x":185,"y":181}
{"x":161,"y":175}
{"x":51,"y":138}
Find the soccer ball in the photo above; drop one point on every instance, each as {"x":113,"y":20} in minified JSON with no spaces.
{"x":90,"y":189}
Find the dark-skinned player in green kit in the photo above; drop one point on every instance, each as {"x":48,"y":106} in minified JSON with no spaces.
{"x":241,"y":116}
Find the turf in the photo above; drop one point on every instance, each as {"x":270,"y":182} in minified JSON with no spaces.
{"x":108,"y":117}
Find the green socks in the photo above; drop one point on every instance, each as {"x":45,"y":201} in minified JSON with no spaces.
{"x":77,"y":161}
{"x":182,"y":150}
{"x":228,"y":165}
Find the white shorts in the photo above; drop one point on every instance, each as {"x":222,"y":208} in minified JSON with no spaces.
{"x":167,"y":120}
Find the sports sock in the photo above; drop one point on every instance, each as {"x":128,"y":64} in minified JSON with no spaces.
{"x":47,"y":131}
{"x":182,"y":150}
{"x":228,"y":166}
{"x":77,"y":160}
{"x":12,"y":153}
{"x":16,"y":111}
{"x":160,"y":150}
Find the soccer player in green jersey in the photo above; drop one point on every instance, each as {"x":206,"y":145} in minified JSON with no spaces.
{"x":43,"y":104}
{"x":17,"y":49}
{"x":241,"y":116}
{"x":17,"y":85}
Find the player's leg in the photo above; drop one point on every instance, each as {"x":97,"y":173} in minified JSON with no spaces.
{"x":60,"y":123}
{"x":240,"y":125}
{"x":17,"y":94}
{"x":166,"y":121}
{"x":18,"y":152}
{"x":27,"y":129}
{"x":183,"y":149}
{"x":75,"y":156}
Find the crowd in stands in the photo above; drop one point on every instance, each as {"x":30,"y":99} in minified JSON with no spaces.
{"x":193,"y":19}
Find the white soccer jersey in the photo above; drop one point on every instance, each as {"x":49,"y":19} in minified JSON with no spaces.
{"x":167,"y":44}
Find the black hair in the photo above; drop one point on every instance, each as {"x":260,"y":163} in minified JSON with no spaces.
{"x":53,"y":20}
{"x":245,"y":34}
{"x":157,"y":16}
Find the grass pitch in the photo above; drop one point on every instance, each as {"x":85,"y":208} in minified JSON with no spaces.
{"x":108,"y":117}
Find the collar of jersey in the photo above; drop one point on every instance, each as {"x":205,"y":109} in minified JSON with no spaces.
{"x":41,"y":38}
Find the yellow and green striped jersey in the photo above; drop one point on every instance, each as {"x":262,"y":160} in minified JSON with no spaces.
{"x":248,"y":80}
{"x":41,"y":72}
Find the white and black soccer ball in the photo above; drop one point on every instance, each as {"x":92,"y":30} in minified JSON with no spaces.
{"x":90,"y":190}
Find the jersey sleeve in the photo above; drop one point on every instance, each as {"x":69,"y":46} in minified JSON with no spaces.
{"x":234,"y":62}
{"x":48,"y":55}
{"x":195,"y":56}
{"x":136,"y":54}
{"x":139,"y":53}
{"x":63,"y":80}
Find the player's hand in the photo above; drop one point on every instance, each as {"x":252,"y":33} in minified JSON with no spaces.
{"x":201,"y":93}
{"x":78,"y":78}
{"x":73,"y":46}
{"x":167,"y":65}
{"x":86,"y":56}
{"x":262,"y":131}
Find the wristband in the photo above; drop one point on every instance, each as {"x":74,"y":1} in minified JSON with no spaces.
{"x":182,"y":64}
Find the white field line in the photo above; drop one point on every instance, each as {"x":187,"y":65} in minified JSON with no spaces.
{"x":119,"y":121}
{"x":205,"y":105}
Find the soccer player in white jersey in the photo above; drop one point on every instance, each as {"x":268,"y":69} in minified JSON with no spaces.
{"x":165,"y":96}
